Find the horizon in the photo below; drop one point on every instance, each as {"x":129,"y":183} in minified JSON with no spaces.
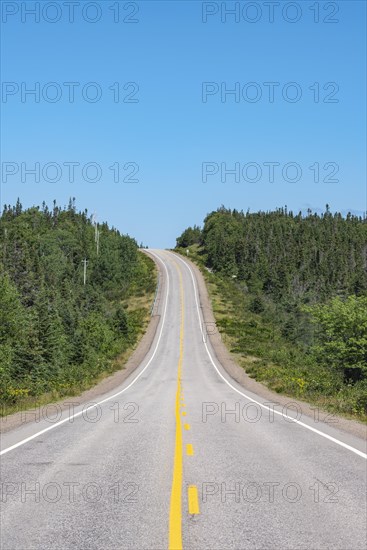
{"x":141,"y":244}
{"x":172,"y":109}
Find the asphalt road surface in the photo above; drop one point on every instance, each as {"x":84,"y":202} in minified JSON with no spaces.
{"x":180,"y":456}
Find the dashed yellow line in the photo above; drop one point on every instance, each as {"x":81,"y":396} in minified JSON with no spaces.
{"x":184,"y":413}
{"x":193,"y":499}
{"x":189,"y":449}
{"x":175,"y":514}
{"x":187,"y":426}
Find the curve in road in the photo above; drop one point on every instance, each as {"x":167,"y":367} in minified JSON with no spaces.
{"x":180,"y":456}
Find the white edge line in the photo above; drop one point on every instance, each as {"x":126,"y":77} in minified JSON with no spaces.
{"x":69,"y":418}
{"x":323,"y":434}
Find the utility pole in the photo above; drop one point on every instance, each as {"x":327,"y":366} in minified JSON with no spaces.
{"x":85,"y":270}
{"x":96,"y":231}
{"x":5,"y":242}
{"x":97,"y":241}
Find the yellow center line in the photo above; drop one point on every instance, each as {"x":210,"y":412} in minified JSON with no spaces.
{"x":175,"y":514}
{"x":187,"y":426}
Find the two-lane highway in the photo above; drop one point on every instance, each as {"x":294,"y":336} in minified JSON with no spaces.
{"x":180,"y":456}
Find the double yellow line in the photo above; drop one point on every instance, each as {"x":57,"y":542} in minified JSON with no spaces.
{"x":175,"y":514}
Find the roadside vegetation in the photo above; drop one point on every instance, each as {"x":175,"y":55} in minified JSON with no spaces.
{"x":57,"y":335}
{"x":289,"y":294}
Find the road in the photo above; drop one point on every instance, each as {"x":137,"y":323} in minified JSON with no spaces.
{"x":180,"y":456}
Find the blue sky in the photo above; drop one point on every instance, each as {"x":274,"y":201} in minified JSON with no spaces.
{"x":169,"y":132}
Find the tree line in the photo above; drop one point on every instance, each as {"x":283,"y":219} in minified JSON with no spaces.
{"x":58,"y":334}
{"x":300,"y":280}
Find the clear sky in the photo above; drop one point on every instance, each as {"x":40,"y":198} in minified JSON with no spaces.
{"x":178,"y":135}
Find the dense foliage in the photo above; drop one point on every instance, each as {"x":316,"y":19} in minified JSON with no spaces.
{"x":56,"y":333}
{"x":191,"y":235}
{"x":294,"y":290}
{"x":283,"y":255}
{"x":342,"y":335}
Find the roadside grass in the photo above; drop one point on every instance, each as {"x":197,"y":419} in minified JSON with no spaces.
{"x":256,"y":342}
{"x":138,"y":305}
